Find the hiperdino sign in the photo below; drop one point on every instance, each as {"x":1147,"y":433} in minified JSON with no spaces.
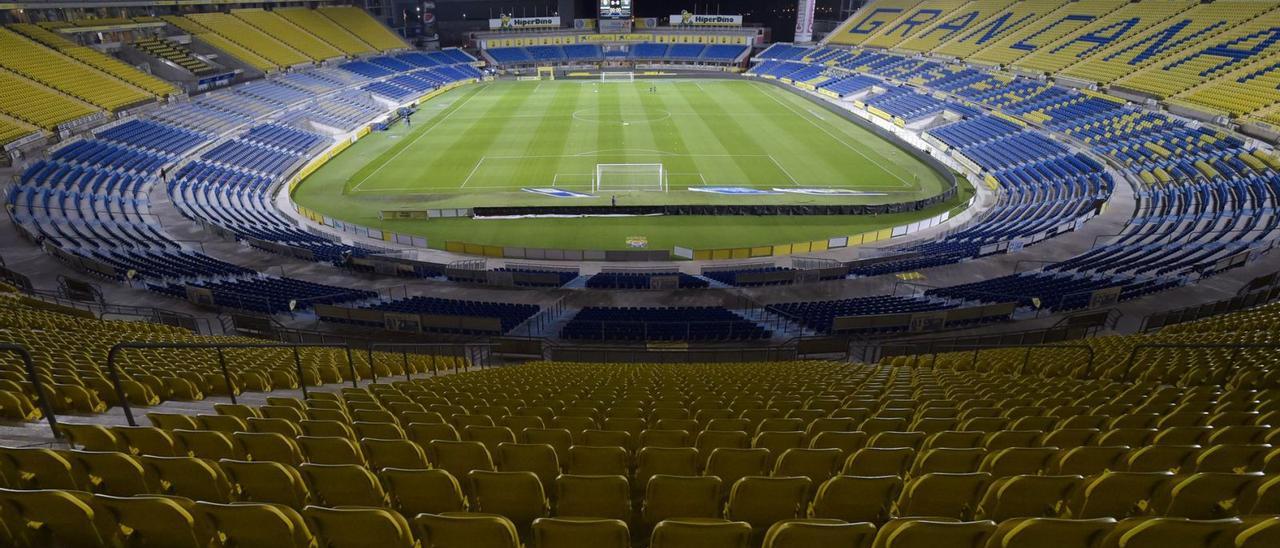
{"x":694,"y":20}
{"x":508,"y":22}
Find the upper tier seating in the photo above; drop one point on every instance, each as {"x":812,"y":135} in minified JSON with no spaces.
{"x":530,"y":55}
{"x":640,"y":280}
{"x":819,"y":316}
{"x":66,"y":74}
{"x":701,"y":324}
{"x":974,"y":36}
{"x":359,"y":23}
{"x":1085,"y":41}
{"x":175,"y":53}
{"x":1228,"y":58}
{"x":1045,"y":31}
{"x":509,"y":315}
{"x":231,"y":28}
{"x":327,"y":30}
{"x":244,"y":54}
{"x":1196,"y":25}
{"x":294,"y":36}
{"x":38,"y":105}
{"x":953,"y":25}
{"x":98,"y":60}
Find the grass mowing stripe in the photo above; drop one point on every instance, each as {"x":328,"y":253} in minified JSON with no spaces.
{"x":391,"y":154}
{"x":713,"y":128}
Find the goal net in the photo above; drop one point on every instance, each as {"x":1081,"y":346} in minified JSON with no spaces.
{"x":630,"y":177}
{"x":617,"y":76}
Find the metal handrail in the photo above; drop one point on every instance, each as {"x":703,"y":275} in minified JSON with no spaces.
{"x":114,"y":374}
{"x":1026,"y":358}
{"x":41,"y":399}
{"x":1133,"y":352}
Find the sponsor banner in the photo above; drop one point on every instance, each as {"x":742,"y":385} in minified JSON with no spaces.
{"x":557,"y":193}
{"x":686,"y":19}
{"x":506,"y":22}
{"x":584,"y":24}
{"x":646,"y":22}
{"x":804,"y":21}
{"x":736,"y":190}
{"x":828,"y":192}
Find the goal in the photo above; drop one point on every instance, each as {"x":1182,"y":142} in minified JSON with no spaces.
{"x":617,"y":76}
{"x":629,"y":177}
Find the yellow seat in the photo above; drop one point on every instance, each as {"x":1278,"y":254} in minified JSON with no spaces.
{"x":681,"y":497}
{"x":705,"y":533}
{"x":809,"y":533}
{"x":330,"y":450}
{"x":1171,"y":533}
{"x":270,"y":446}
{"x":40,"y":468}
{"x":732,"y":464}
{"x":516,"y":495}
{"x":342,"y":485}
{"x":1026,"y":496}
{"x":58,"y":518}
{"x":191,"y":477}
{"x":256,"y":525}
{"x":598,"y":461}
{"x":925,"y":533}
{"x":91,"y":437}
{"x":538,"y":458}
{"x":157,"y":521}
{"x":266,"y":481}
{"x":856,"y":498}
{"x":1259,"y":534}
{"x":207,"y":444}
{"x":876,"y":461}
{"x":115,"y":473}
{"x":580,"y":533}
{"x":1037,"y":532}
{"x":603,"y":497}
{"x":359,"y":527}
{"x":460,"y":458}
{"x":148,"y":440}
{"x":466,"y":530}
{"x":763,"y":501}
{"x":942,"y":495}
{"x":416,"y":492}
{"x":1116,"y":494}
{"x":394,"y":453}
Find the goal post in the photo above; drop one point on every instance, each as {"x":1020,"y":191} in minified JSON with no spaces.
{"x":546,"y":73}
{"x":630,"y":177}
{"x":617,"y":76}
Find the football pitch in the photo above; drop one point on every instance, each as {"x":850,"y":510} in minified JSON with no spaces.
{"x":542,"y":143}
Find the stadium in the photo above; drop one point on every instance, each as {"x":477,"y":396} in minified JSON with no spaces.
{"x":558,"y":274}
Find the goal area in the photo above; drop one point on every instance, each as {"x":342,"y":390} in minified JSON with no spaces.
{"x":617,"y":76}
{"x":630,"y":177}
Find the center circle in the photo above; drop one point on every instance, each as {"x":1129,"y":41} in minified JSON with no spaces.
{"x":622,"y":117}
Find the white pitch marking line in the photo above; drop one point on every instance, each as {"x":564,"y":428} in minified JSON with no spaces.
{"x":415,"y":139}
{"x":784,"y":171}
{"x":905,"y":183}
{"x":473,"y":171}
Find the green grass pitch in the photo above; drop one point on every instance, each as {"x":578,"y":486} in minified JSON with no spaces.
{"x":481,"y":145}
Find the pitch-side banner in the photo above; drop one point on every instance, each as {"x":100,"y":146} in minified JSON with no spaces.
{"x":512,"y":23}
{"x":686,"y":19}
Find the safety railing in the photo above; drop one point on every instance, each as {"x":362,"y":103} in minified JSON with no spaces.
{"x":42,"y":398}
{"x":471,"y":354}
{"x":1026,"y":357}
{"x":113,"y":372}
